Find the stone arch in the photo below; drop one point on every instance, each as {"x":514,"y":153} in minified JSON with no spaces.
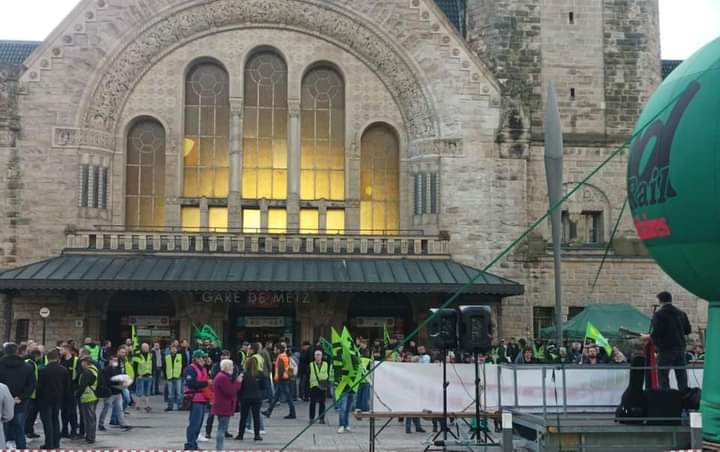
{"x":106,"y":98}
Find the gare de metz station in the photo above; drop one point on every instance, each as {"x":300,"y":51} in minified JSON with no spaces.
{"x":272,"y":168}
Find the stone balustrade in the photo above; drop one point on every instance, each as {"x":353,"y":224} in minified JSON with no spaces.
{"x":255,"y":244}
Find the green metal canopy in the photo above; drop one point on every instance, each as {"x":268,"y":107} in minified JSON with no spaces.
{"x":608,"y":318}
{"x":152,"y":272}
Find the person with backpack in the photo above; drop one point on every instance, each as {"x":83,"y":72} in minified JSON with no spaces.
{"x":87,"y":391}
{"x":282,"y":379}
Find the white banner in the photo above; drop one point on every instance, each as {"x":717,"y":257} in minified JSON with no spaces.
{"x":418,"y":387}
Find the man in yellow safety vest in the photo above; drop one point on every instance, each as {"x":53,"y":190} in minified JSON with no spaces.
{"x":173,"y":368}
{"x":87,"y":386}
{"x":143,"y":364}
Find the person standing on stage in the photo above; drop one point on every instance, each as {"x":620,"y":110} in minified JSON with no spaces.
{"x":668,"y":330}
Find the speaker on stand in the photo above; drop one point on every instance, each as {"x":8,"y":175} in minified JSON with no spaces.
{"x":443,"y":332}
{"x":476,"y":337}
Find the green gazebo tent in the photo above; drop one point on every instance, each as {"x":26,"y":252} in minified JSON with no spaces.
{"x":608,"y":318}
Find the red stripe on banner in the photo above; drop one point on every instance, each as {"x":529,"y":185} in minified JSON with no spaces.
{"x":652,"y":229}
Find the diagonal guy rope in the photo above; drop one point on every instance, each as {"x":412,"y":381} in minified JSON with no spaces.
{"x":619,"y":150}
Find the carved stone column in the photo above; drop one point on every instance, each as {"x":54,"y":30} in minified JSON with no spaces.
{"x":236,"y":140}
{"x":293,"y":205}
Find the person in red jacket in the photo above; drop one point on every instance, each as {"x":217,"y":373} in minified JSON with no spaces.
{"x":225,"y":399}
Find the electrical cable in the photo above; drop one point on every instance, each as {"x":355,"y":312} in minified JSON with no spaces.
{"x":619,"y":150}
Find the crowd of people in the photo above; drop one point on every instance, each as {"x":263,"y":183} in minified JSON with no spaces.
{"x":65,"y":386}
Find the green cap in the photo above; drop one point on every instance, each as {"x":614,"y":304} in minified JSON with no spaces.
{"x":199,"y":354}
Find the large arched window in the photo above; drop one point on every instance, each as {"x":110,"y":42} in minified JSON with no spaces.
{"x":379,"y":181}
{"x":265,"y":128}
{"x":145,"y":175}
{"x":207,"y":124}
{"x":322,"y":159}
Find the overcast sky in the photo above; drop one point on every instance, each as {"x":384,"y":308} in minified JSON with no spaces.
{"x":685,"y":24}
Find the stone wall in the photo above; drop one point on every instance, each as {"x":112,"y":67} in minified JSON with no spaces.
{"x":469,"y":110}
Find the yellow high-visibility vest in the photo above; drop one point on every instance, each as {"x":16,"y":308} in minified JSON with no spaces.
{"x":89,"y":395}
{"x":144,"y":364}
{"x":173,"y":366}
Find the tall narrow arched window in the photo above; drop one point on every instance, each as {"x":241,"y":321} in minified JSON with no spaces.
{"x":145,"y":175}
{"x":379,"y":180}
{"x":207,"y":123}
{"x":322,"y":160}
{"x":265,"y":128}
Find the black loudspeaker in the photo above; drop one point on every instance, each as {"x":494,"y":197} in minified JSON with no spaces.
{"x":443,"y":329}
{"x":475,"y":329}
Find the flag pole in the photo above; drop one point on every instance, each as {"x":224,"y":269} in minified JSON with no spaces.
{"x":554,"y":175}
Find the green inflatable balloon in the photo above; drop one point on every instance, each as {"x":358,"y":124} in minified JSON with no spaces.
{"x":674,"y":174}
{"x":674,"y":196}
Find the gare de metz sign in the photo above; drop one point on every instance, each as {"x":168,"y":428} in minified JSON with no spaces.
{"x":258,"y":299}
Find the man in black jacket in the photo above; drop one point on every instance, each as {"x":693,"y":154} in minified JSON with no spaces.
{"x":112,"y":402}
{"x":306,"y":356}
{"x":669,"y":327}
{"x":53,"y":388}
{"x":19,"y":377}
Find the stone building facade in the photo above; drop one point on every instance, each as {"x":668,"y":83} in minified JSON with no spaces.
{"x":462,"y":100}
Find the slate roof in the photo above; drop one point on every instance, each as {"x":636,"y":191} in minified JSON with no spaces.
{"x":455,"y":11}
{"x":15,"y":52}
{"x":186,"y":273}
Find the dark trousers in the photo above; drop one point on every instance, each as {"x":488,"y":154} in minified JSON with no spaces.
{"x":209,"y":425}
{"x":245,"y":407}
{"x":50,"y":417}
{"x":409,"y":421}
{"x":81,"y":420}
{"x":69,"y":416}
{"x":89,"y":417}
{"x":317,"y":397}
{"x":283,"y":389}
{"x":31,"y":416}
{"x":304,"y":387}
{"x":672,"y":358}
{"x":195,"y":421}
{"x":157,"y":375}
{"x":15,"y":428}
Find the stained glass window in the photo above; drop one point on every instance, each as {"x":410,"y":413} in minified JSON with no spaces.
{"x":265,"y":132}
{"x":322,"y":159}
{"x":207,"y":123}
{"x":379,"y":181}
{"x":145,"y":175}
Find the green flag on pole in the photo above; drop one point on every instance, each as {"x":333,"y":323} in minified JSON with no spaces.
{"x":134,"y":339}
{"x":593,"y":333}
{"x":386,"y":334}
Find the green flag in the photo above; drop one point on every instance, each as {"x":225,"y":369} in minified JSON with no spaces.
{"x":134,"y":339}
{"x":386,"y":334}
{"x":593,"y":333}
{"x":327,"y":347}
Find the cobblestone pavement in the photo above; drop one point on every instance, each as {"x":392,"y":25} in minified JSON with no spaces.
{"x":161,"y":430}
